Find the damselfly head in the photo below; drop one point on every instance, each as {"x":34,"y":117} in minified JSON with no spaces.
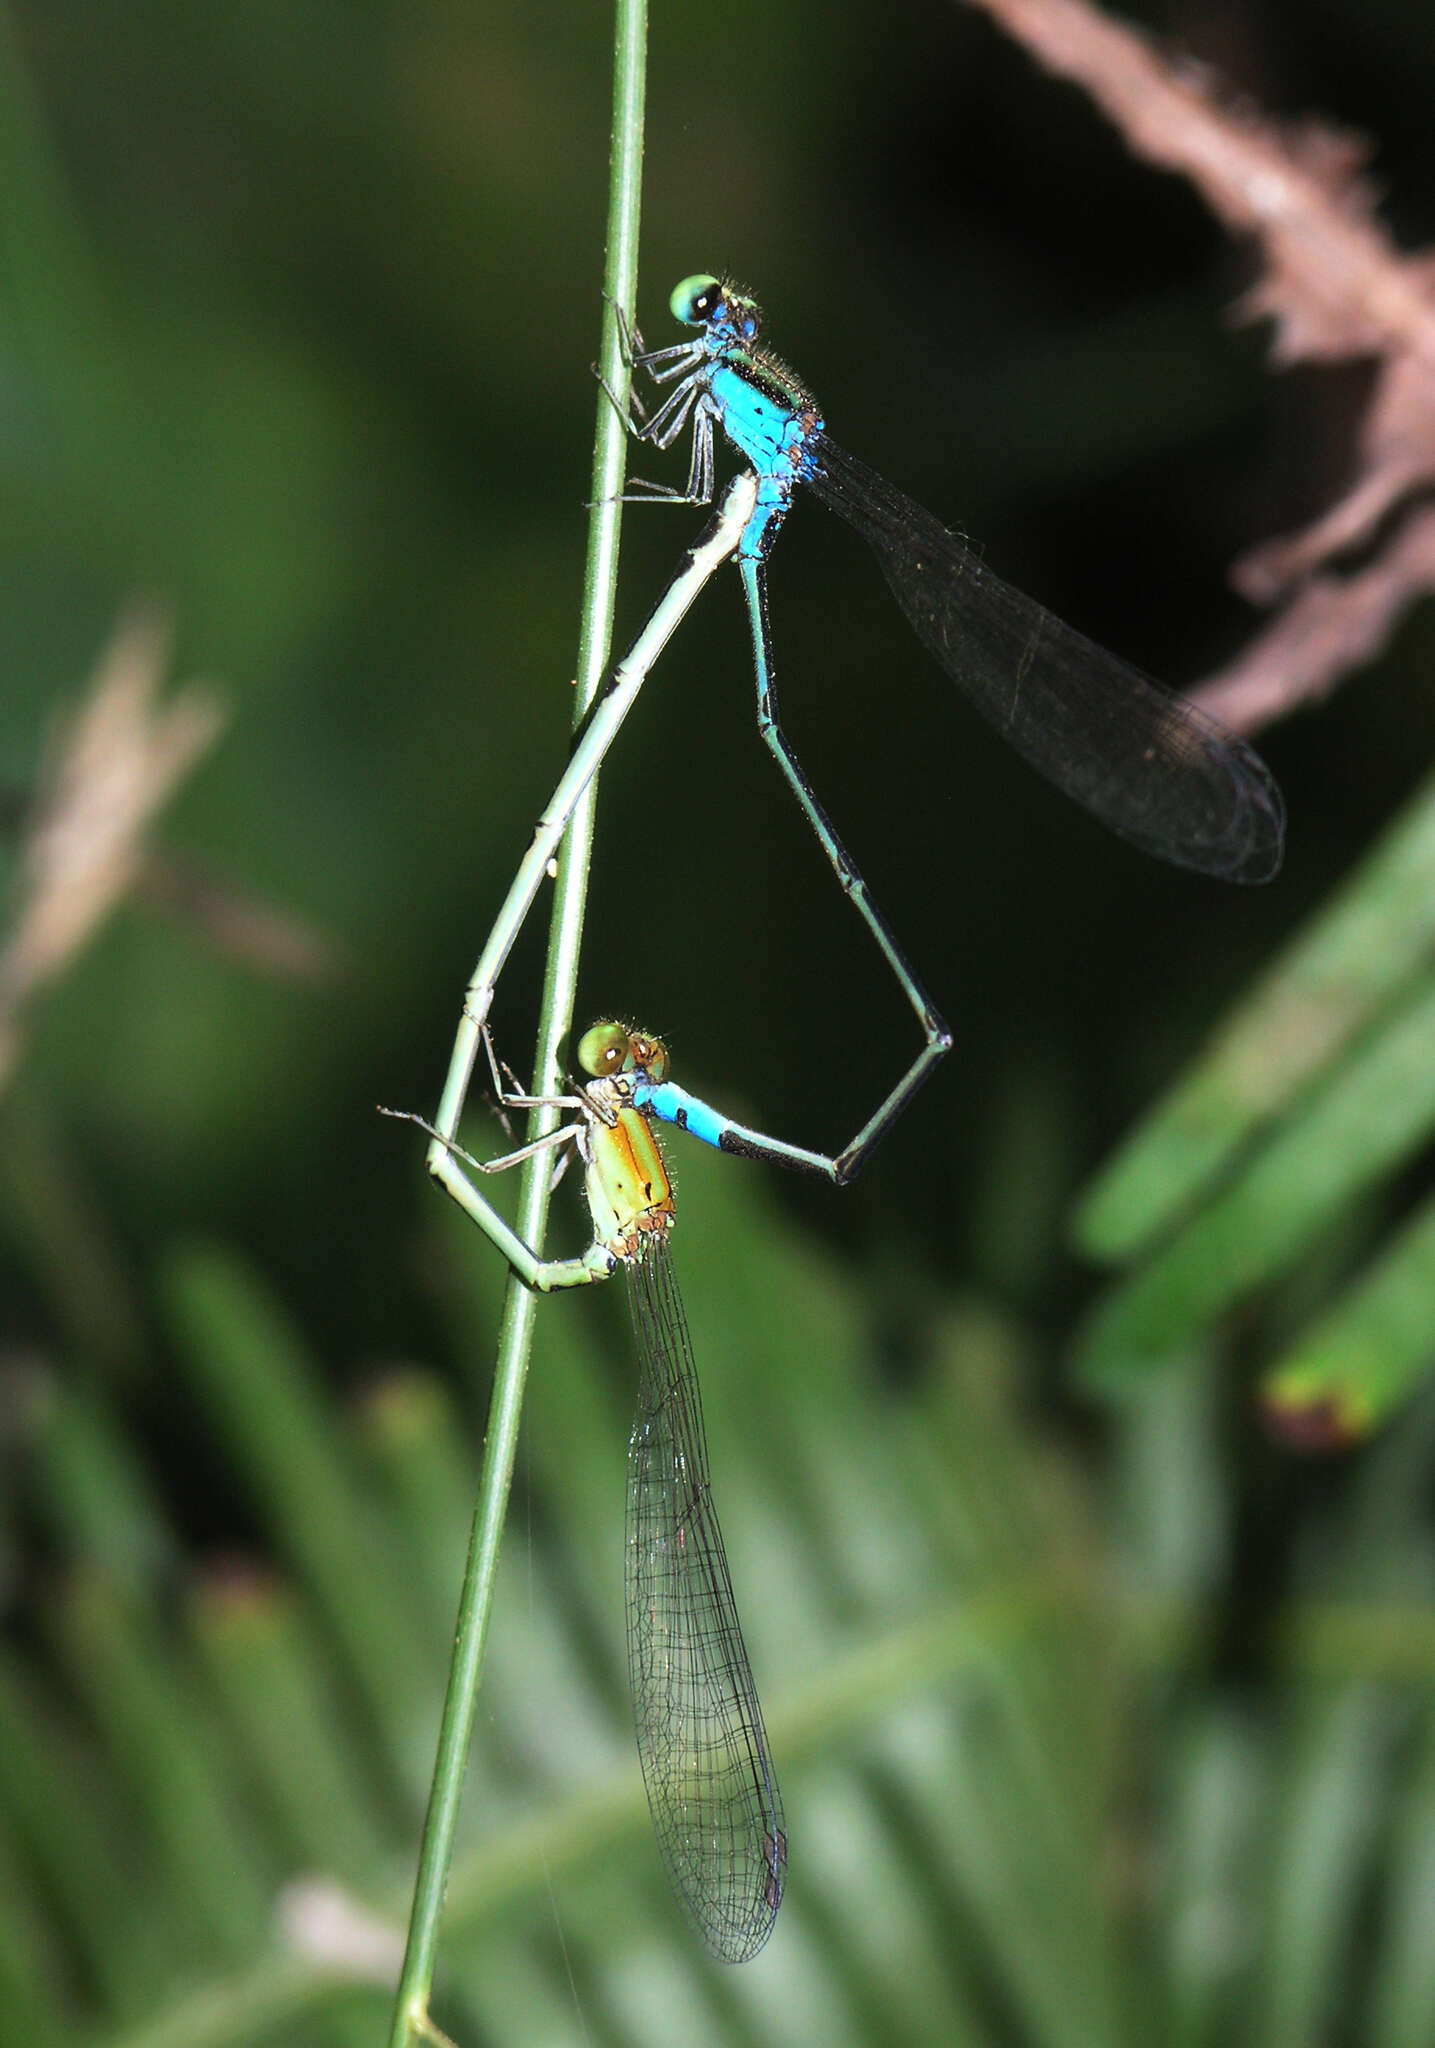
{"x":727,"y":313}
{"x":603,"y":1050}
{"x":611,"y":1048}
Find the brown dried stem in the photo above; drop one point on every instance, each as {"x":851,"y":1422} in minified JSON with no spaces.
{"x":115,"y":765}
{"x":1335,"y":287}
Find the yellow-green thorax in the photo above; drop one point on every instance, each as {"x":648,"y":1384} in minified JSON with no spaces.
{"x":629,"y":1192}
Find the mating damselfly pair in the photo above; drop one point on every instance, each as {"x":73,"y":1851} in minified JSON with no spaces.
{"x":1147,"y":764}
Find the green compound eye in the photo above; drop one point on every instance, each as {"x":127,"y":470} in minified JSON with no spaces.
{"x":694,"y":299}
{"x":603,"y":1050}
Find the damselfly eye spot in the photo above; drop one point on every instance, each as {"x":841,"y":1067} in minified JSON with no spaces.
{"x":603,"y":1050}
{"x":695,"y":300}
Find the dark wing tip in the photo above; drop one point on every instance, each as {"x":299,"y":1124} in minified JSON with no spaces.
{"x":1251,"y":846}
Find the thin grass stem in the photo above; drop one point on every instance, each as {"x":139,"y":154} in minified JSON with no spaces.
{"x":411,"y":2022}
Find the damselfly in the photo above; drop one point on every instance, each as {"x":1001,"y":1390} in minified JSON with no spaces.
{"x":1148,"y":764}
{"x":706,"y":1763}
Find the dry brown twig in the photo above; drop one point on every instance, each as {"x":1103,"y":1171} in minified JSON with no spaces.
{"x":1336,"y":288}
{"x":115,"y":764}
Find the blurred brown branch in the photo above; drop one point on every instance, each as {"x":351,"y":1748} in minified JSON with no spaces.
{"x":274,"y":943}
{"x":114,"y":765}
{"x":1335,"y":287}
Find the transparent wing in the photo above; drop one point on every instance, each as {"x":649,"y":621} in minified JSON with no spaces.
{"x":706,"y":1764}
{"x":1148,"y":764}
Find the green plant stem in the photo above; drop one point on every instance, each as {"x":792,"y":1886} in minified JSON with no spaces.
{"x":411,"y":2022}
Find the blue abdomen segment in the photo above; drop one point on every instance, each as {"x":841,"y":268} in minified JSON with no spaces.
{"x":673,"y":1105}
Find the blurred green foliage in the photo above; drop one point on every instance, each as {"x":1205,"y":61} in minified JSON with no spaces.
{"x":1087,"y":1736}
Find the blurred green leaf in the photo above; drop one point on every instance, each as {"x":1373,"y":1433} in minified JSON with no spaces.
{"x":1319,"y":1089}
{"x":1345,"y":1374}
{"x":1362,"y":1120}
{"x":1356,"y":962}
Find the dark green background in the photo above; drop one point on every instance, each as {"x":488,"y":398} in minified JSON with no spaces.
{"x":297,"y":308}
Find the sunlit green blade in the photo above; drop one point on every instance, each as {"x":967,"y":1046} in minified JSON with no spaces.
{"x":1347,"y":1373}
{"x":1332,"y":983}
{"x":1362,"y":1121}
{"x":254,"y":1375}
